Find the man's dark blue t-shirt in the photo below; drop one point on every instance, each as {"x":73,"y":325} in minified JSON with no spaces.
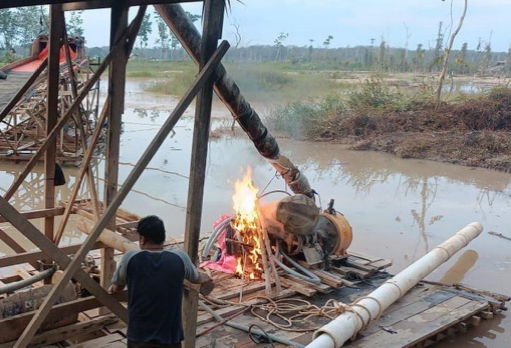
{"x":155,"y":291}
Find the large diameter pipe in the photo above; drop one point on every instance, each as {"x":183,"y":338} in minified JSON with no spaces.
{"x":359,"y":314}
{"x":227,"y":90}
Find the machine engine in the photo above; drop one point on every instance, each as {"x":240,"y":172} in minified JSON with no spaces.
{"x":298,"y":222}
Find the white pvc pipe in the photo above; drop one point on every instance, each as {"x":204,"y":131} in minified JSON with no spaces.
{"x":367,"y":308}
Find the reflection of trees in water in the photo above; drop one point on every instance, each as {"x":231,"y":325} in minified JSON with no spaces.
{"x":144,"y":113}
{"x":428,"y":193}
{"x":30,"y":194}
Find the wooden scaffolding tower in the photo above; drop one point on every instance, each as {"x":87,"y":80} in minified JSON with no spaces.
{"x":122,"y":37}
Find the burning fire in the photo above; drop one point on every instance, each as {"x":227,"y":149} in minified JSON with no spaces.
{"x":246,"y":223}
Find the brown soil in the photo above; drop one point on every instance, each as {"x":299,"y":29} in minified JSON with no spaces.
{"x":475,"y":132}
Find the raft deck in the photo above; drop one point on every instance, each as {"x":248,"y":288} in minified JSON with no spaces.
{"x":428,"y":313}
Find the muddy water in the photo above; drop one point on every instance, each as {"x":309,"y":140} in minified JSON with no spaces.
{"x":399,"y":209}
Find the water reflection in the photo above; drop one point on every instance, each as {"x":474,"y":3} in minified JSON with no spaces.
{"x":457,"y":272}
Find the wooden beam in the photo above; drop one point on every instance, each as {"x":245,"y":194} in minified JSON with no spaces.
{"x":72,"y":5}
{"x":94,"y":4}
{"x":213,"y":22}
{"x":60,"y":310}
{"x":74,"y":266}
{"x":33,"y":256}
{"x":66,"y":332}
{"x":40,"y":213}
{"x":116,"y":91}
{"x":52,"y":112}
{"x":47,"y":246}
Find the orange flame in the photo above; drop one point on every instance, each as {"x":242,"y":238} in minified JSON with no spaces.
{"x":246,"y":223}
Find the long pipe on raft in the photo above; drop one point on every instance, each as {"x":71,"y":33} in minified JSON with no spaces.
{"x":359,"y":314}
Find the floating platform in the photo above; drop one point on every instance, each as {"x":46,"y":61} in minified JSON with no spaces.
{"x":427,"y":314}
{"x":244,"y":313}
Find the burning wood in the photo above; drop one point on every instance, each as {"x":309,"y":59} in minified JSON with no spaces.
{"x":247,"y":227}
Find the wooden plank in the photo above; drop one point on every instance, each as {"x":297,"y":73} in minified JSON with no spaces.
{"x":304,"y":290}
{"x":103,"y":342}
{"x":66,"y":332}
{"x":74,"y":5}
{"x":213,"y":16}
{"x":230,"y":288}
{"x":52,"y":112}
{"x":60,"y":313}
{"x":230,"y":310}
{"x":323,"y":288}
{"x":116,"y":91}
{"x":36,"y":214}
{"x":419,"y":327}
{"x":328,"y":278}
{"x":32,"y":256}
{"x":399,"y":312}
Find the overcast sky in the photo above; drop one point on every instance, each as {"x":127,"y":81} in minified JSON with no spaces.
{"x":350,"y":22}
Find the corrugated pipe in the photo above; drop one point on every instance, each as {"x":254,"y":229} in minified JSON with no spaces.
{"x":227,"y":90}
{"x":359,"y":314}
{"x":11,"y":287}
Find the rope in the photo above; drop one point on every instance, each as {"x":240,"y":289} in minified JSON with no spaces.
{"x":291,"y":314}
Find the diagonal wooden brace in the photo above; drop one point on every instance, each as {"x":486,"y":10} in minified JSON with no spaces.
{"x":73,"y":266}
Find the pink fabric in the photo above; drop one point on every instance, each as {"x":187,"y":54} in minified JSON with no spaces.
{"x":226,"y":263}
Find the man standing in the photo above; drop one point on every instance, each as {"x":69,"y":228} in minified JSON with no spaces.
{"x":154,"y":277}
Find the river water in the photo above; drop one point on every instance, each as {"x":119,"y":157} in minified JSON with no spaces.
{"x":399,"y":209}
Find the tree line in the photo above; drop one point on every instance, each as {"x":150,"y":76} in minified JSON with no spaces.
{"x":19,"y":26}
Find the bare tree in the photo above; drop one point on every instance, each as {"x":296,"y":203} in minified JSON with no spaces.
{"x":448,"y":51}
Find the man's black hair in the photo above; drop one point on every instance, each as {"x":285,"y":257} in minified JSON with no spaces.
{"x":152,"y":229}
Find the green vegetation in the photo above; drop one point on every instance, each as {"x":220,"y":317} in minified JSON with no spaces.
{"x":267,"y":82}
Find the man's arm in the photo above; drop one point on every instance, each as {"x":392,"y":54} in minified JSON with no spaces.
{"x":194,"y":276}
{"x":203,"y":278}
{"x":120,"y":276}
{"x":114,"y":288}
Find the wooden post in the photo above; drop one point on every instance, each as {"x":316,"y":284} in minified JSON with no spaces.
{"x":116,"y":90}
{"x":73,"y":268}
{"x":56,"y":31}
{"x":213,"y":22}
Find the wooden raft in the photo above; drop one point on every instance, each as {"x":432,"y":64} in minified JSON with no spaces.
{"x":425,"y":315}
